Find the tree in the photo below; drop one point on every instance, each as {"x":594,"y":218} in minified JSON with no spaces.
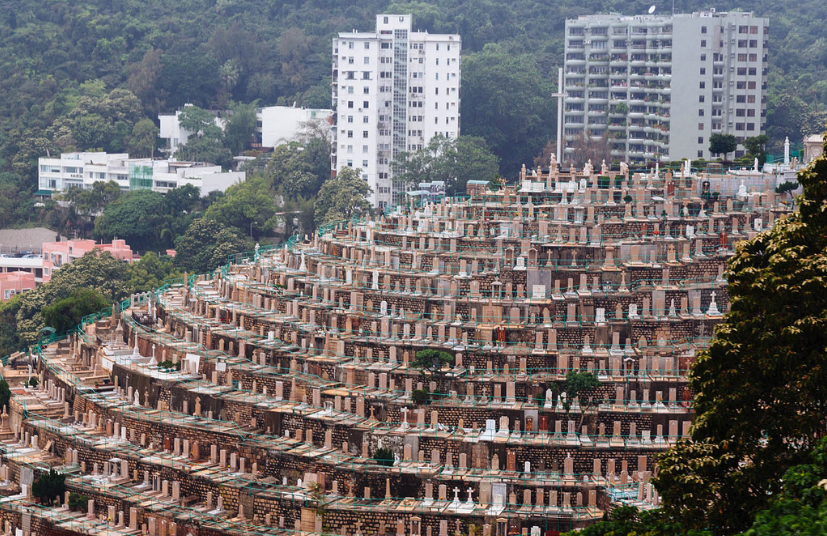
{"x":786,"y":187}
{"x":49,"y":487}
{"x":150,"y":271}
{"x":292,"y":173}
{"x":629,"y":521}
{"x":432,"y":360}
{"x":97,"y":270}
{"x":240,"y":127}
{"x":588,"y":149}
{"x":761,"y":386}
{"x":144,"y":138}
{"x":453,"y":161}
{"x":250,"y":204}
{"x":137,"y":217}
{"x":206,"y":245}
{"x":205,"y":142}
{"x":342,"y":197}
{"x":756,"y":148}
{"x":801,"y":507}
{"x":68,"y":312}
{"x":5,"y":394}
{"x":507,"y":101}
{"x":722,"y":144}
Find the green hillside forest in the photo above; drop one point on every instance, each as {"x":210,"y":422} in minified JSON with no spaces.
{"x":80,"y":74}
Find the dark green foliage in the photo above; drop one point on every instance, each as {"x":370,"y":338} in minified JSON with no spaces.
{"x":786,"y":187}
{"x":49,"y":487}
{"x":138,"y":218}
{"x":722,"y":144}
{"x":580,"y":381}
{"x":453,"y":161}
{"x":384,"y":457}
{"x":603,"y":181}
{"x":421,"y":396}
{"x":5,"y":394}
{"x":67,"y":313}
{"x":761,"y":387}
{"x":342,"y":197}
{"x":77,"y":501}
{"x":33,"y":381}
{"x":756,"y":148}
{"x":507,"y":101}
{"x":206,"y":245}
{"x":432,"y":360}
{"x":629,"y":521}
{"x":168,"y":364}
{"x":801,"y":507}
{"x":249,"y":205}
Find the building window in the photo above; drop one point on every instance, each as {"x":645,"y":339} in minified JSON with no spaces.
{"x":703,"y":57}
{"x":365,"y":104}
{"x":350,"y":104}
{"x":703,"y":85}
{"x":365,"y":119}
{"x":739,"y":126}
{"x":703,"y":43}
{"x":349,"y":133}
{"x":367,"y":45}
{"x":703,"y":29}
{"x":703,"y":71}
{"x":750,"y":126}
{"x":700,"y":140}
{"x":364,"y":133}
{"x":700,"y":98}
{"x":700,"y":154}
{"x":701,"y":112}
{"x":700,"y":126}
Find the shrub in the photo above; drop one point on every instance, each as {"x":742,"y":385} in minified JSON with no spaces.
{"x":421,"y":396}
{"x":49,"y":487}
{"x":384,"y":457}
{"x":432,"y":359}
{"x":77,"y":501}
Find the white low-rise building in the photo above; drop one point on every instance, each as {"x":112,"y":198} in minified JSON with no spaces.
{"x":275,"y":125}
{"x":82,"y":170}
{"x":281,"y":124}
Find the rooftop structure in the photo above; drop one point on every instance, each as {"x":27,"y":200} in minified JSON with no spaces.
{"x":393,"y":90}
{"x":660,"y":85}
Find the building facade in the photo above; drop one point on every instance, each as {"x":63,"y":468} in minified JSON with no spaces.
{"x":82,"y":170}
{"x":393,"y":90}
{"x":659,"y":86}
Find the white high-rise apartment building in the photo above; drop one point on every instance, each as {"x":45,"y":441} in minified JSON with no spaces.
{"x":662,"y":85}
{"x":393,"y":90}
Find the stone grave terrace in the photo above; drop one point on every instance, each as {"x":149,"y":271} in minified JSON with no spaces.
{"x":255,"y":398}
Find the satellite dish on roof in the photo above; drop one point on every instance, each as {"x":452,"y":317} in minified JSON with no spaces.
{"x":652,"y":9}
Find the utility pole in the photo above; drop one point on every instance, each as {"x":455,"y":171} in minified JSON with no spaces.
{"x":560,"y":95}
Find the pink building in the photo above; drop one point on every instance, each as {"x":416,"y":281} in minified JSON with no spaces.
{"x":55,"y":254}
{"x":12,"y":283}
